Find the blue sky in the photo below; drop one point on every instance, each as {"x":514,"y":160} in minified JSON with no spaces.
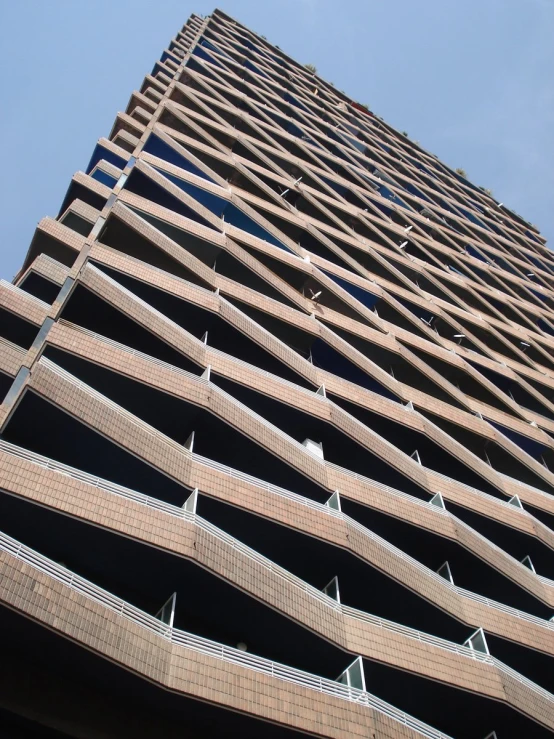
{"x":471,"y":80}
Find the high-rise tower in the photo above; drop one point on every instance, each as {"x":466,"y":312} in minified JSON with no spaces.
{"x":277,"y":431}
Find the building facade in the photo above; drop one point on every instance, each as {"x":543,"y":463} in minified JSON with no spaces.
{"x":277,"y":431}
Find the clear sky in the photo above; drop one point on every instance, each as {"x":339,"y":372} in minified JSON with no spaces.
{"x":471,"y":80}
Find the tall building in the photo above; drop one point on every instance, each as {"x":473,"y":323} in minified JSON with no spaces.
{"x":277,"y":431}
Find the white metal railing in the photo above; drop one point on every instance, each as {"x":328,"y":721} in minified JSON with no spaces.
{"x":461,"y":591}
{"x":267,"y":563}
{"x":247,"y":551}
{"x":502,"y":607}
{"x":428,"y":572}
{"x":461,"y":523}
{"x":499,"y":501}
{"x":546,"y":580}
{"x":162,"y":437}
{"x":436,"y":510}
{"x":274,"y":429}
{"x":512,"y":560}
{"x":137,"y":212}
{"x":265,"y":373}
{"x":13,"y":347}
{"x":214,"y":388}
{"x":275,"y":489}
{"x":132,"y":419}
{"x":312,"y":393}
{"x":447,"y":645}
{"x":526,"y":485}
{"x":24,"y":294}
{"x":135,"y":298}
{"x":394,"y":550}
{"x":237,"y":311}
{"x":375,"y":483}
{"x":161,"y":363}
{"x":388,"y":489}
{"x":89,"y":479}
{"x":502,"y":475}
{"x":167,"y":320}
{"x":130,"y":350}
{"x":207,"y":646}
{"x":441,"y":511}
{"x":383,"y":542}
{"x":172,"y":510}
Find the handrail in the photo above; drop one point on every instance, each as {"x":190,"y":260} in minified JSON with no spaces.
{"x":214,"y":388}
{"x":497,"y":500}
{"x":383,"y":542}
{"x":154,"y":432}
{"x":137,"y":211}
{"x":462,"y":591}
{"x":375,"y":483}
{"x":178,"y":370}
{"x":24,"y":293}
{"x":12,"y":346}
{"x":275,"y":429}
{"x":264,"y":561}
{"x":112,"y":487}
{"x":459,"y":444}
{"x":275,"y":489}
{"x":134,"y":420}
{"x":142,"y":302}
{"x":546,"y":580}
{"x":172,"y":510}
{"x":440,"y":511}
{"x":387,"y":488}
{"x":207,"y":646}
{"x":526,"y":485}
{"x":265,"y":331}
{"x":265,"y":373}
{"x":129,"y":350}
{"x":311,"y":393}
{"x":148,"y":357}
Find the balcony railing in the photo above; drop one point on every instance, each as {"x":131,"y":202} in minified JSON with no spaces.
{"x":24,"y":294}
{"x":129,"y":350}
{"x":132,"y":419}
{"x":306,"y":391}
{"x":222,"y":536}
{"x":12,"y":347}
{"x":235,"y":310}
{"x":209,"y":647}
{"x":383,"y":542}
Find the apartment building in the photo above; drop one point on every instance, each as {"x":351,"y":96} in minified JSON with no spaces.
{"x":277,"y":430}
